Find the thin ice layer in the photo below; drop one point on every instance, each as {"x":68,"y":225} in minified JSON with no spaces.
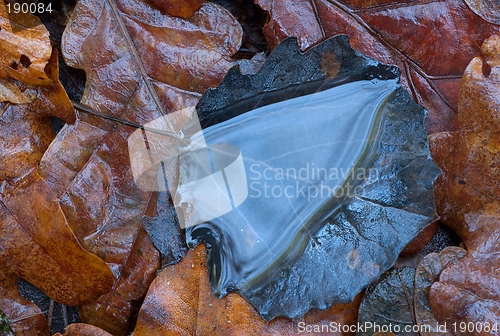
{"x":302,"y":158}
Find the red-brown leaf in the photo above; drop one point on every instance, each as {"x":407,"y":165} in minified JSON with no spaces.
{"x":431,"y":42}
{"x":81,"y":329}
{"x":468,"y":197}
{"x":36,"y":242}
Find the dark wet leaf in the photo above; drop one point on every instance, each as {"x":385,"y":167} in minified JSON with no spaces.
{"x":252,"y":18}
{"x":163,"y":228}
{"x":58,"y":315}
{"x":24,"y":52}
{"x":281,"y":251}
{"x":444,"y":237}
{"x":399,"y":299}
{"x":430,"y":41}
{"x":73,"y":80}
{"x":389,"y":303}
{"x":468,"y":197}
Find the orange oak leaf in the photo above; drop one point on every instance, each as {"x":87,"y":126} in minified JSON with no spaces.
{"x":431,"y":42}
{"x":24,"y":52}
{"x":141,"y":64}
{"x":36,"y":242}
{"x":180,"y":302}
{"x":468,"y":197}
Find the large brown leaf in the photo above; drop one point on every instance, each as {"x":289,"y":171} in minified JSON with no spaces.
{"x":36,"y":242}
{"x":431,"y":41}
{"x":180,"y":302}
{"x":140,"y":65}
{"x":24,"y":52}
{"x":468,"y":196}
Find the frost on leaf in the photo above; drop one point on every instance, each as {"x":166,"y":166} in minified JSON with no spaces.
{"x":296,"y":242}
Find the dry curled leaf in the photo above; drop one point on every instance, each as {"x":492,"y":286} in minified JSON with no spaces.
{"x":36,"y":242}
{"x":431,"y":42}
{"x":468,"y":292}
{"x":468,"y":196}
{"x":140,"y":64}
{"x":180,"y":302}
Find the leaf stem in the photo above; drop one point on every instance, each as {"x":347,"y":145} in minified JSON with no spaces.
{"x":137,"y":60}
{"x":88,"y":109}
